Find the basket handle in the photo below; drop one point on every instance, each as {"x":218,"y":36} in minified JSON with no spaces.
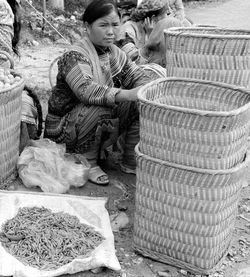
{"x":50,"y":71}
{"x":9,"y":58}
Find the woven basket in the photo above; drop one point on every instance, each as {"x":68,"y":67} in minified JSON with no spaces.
{"x":10,"y":118}
{"x":193,"y":122}
{"x":209,"y":53}
{"x":185,"y":216}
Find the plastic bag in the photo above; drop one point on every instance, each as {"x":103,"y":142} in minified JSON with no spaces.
{"x":89,"y":210}
{"x":46,"y":165}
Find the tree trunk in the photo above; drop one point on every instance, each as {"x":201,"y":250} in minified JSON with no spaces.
{"x":57,"y":4}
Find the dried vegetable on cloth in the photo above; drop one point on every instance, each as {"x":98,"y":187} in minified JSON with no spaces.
{"x":68,"y":234}
{"x":45,"y":165}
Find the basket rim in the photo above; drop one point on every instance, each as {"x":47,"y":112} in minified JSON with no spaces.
{"x":183,"y":32}
{"x":237,"y":111}
{"x":16,"y":84}
{"x":191,"y":168}
{"x":9,"y":57}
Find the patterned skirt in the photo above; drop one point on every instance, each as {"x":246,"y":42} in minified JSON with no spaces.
{"x":90,"y":130}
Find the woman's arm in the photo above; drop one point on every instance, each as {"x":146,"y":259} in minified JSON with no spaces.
{"x":128,"y":41}
{"x":79,"y":77}
{"x":132,"y":76}
{"x":127,"y":44}
{"x":6,"y":14}
{"x":7,"y":32}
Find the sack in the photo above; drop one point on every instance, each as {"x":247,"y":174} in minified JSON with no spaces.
{"x":46,"y":165}
{"x":89,"y":210}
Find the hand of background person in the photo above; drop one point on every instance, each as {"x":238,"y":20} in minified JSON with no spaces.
{"x":148,"y":25}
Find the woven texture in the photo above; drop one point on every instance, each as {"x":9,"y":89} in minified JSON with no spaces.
{"x":209,"y":53}
{"x":195,"y":123}
{"x":10,"y":118}
{"x":185,"y":216}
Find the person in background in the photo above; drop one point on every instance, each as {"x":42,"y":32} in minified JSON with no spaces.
{"x":126,"y":8}
{"x":10,"y":27}
{"x":94,"y":102}
{"x":135,"y":33}
{"x":176,"y":8}
{"x":154,"y":51}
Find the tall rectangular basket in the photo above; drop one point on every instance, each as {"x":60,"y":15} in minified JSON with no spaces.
{"x":185,"y":216}
{"x":193,"y":122}
{"x":209,"y":53}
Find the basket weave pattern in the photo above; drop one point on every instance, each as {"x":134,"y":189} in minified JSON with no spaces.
{"x":214,"y":54}
{"x":185,"y":215}
{"x":10,"y":118}
{"x":195,"y":123}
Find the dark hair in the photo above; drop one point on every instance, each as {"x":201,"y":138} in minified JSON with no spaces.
{"x":17,"y":24}
{"x":139,"y":15}
{"x":99,"y":8}
{"x":157,"y":12}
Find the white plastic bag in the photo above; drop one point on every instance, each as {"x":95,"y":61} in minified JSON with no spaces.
{"x":89,"y":210}
{"x":44,"y":164}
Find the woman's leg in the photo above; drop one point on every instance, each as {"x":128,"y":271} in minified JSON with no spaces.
{"x":88,"y":129}
{"x":129,"y":134}
{"x":132,"y":138}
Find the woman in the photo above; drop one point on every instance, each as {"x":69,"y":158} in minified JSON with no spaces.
{"x":135,"y":33}
{"x":10,"y":27}
{"x":94,"y":100}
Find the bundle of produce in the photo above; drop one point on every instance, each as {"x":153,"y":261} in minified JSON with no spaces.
{"x":45,"y":240}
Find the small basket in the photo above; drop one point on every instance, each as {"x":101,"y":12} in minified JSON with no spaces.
{"x":209,"y":53}
{"x":10,"y":119}
{"x":193,"y":122}
{"x":185,"y":216}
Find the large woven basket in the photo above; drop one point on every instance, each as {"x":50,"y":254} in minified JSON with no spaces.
{"x":10,"y":118}
{"x":193,"y":122}
{"x":209,"y":53}
{"x":185,"y":216}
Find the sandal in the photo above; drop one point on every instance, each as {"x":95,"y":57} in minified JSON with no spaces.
{"x":127,"y":170}
{"x":95,"y":173}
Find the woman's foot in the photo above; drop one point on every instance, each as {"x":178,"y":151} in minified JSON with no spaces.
{"x":127,"y":169}
{"x":98,"y":176}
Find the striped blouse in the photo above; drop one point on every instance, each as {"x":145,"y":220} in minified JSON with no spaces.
{"x":75,"y":82}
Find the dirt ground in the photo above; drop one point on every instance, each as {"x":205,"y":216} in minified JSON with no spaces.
{"x":230,"y":14}
{"x":34,"y":65}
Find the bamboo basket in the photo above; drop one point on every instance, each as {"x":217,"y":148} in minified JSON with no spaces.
{"x":209,"y":53}
{"x":193,"y":122}
{"x":185,"y":216}
{"x":10,"y":119}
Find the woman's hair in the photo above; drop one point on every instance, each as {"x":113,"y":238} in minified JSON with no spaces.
{"x":17,"y":24}
{"x":141,"y":14}
{"x":97,"y":9}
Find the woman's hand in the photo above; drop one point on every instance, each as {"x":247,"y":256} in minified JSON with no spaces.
{"x":127,"y":95}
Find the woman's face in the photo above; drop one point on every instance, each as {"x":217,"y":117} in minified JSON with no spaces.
{"x":103,"y":31}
